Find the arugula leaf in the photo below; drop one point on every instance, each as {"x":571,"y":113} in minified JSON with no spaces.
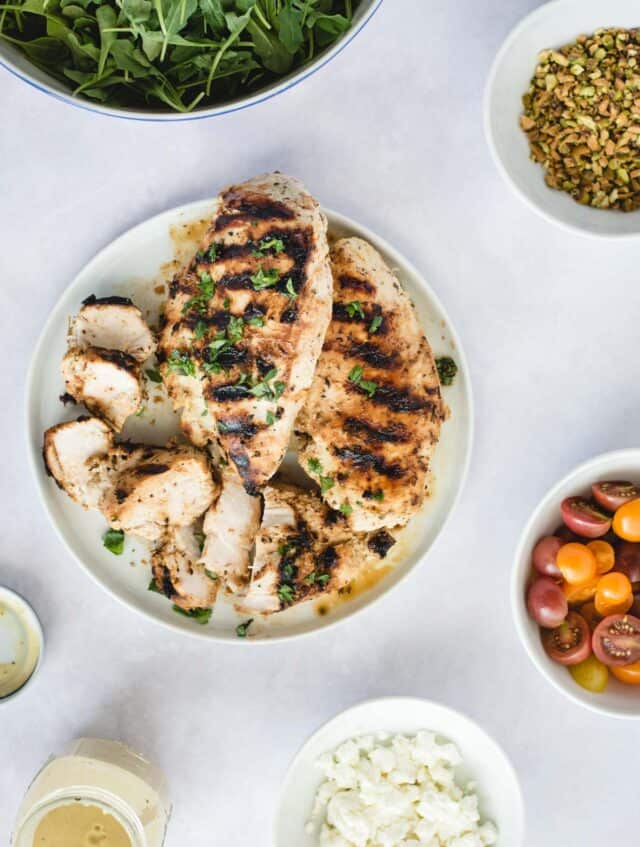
{"x":213,"y":14}
{"x":289,"y":23}
{"x":113,"y":540}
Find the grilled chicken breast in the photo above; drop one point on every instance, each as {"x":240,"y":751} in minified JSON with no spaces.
{"x":177,"y":572}
{"x":303,"y":550}
{"x":107,"y":382}
{"x":113,"y":323}
{"x":372,"y":418}
{"x":244,"y":324}
{"x":171,"y":487}
{"x":230,"y":527}
{"x":68,"y":447}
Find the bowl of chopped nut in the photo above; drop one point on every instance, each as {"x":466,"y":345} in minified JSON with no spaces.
{"x":562,"y":114}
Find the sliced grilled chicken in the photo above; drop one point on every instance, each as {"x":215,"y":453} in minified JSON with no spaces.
{"x":304,"y":550}
{"x":372,"y":418}
{"x":177,"y":572}
{"x":247,"y":318}
{"x":104,"y":469}
{"x":107,"y":382}
{"x":67,"y":449}
{"x":172,"y":487}
{"x":113,"y":323}
{"x":230,"y":527}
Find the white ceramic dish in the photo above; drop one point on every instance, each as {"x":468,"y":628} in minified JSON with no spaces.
{"x":21,"y":639}
{"x":617,"y":700}
{"x":13,"y":60}
{"x":551,"y":25}
{"x":483,"y":762}
{"x":133,"y":265}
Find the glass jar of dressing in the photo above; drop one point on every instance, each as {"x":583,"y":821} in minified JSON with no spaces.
{"x":94,"y":794}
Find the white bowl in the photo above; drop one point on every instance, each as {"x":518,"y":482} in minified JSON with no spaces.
{"x":15,"y":61}
{"x":483,"y":762}
{"x":132,"y":265}
{"x":552,"y":25}
{"x":617,"y":699}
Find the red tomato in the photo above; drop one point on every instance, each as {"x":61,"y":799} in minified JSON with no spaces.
{"x":629,"y":674}
{"x":544,"y":556}
{"x":569,"y":643}
{"x":626,"y":521}
{"x":611,"y":495}
{"x":616,"y":640}
{"x":584,"y":518}
{"x":628,"y":560}
{"x":546,"y":603}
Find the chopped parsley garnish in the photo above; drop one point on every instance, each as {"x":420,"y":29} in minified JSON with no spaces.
{"x":270,"y":418}
{"x":209,"y":255}
{"x":200,"y":330}
{"x":265,"y":279}
{"x":375,"y":324}
{"x":217,"y":346}
{"x":141,"y":411}
{"x":200,"y":537}
{"x":288,"y":571}
{"x":354,"y":308}
{"x":314,"y":466}
{"x":378,"y":495}
{"x":226,"y":303}
{"x":256,"y":320}
{"x":200,"y":302}
{"x":447,"y":369}
{"x":326,"y":482}
{"x":265,"y":388}
{"x":285,"y":593}
{"x":223,"y":429}
{"x":355,"y":376}
{"x":153,"y":375}
{"x":346,"y":509}
{"x":243,"y":628}
{"x":235,"y":329}
{"x":201,"y":616}
{"x":211,"y":574}
{"x":179,"y":362}
{"x":153,"y":586}
{"x":285,"y":548}
{"x":113,"y":540}
{"x":291,"y":292}
{"x":275,"y":244}
{"x":317,"y":578}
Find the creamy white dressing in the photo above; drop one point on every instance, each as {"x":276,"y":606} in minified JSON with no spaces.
{"x":20,"y":643}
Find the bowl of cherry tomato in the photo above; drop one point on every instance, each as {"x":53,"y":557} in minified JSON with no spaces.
{"x":576,"y":584}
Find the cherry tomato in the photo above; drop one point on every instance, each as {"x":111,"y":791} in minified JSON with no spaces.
{"x":626,"y":521}
{"x":577,"y":563}
{"x":591,"y":616}
{"x":611,"y":495}
{"x":616,"y":640}
{"x":591,"y":674}
{"x":565,"y":535}
{"x":544,"y":556}
{"x":576,"y":595}
{"x":546,"y":603}
{"x":585,"y":518}
{"x":628,"y":560}
{"x":614,"y":595}
{"x":569,"y":643}
{"x":605,"y":555}
{"x":629,"y":674}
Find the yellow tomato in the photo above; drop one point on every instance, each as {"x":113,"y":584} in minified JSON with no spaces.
{"x":614,"y":595}
{"x":626,"y":521}
{"x":629,"y":674}
{"x":577,"y":563}
{"x":605,"y":555}
{"x":578,"y":594}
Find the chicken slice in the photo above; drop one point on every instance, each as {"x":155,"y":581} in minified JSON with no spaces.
{"x":372,"y":418}
{"x":304,"y":550}
{"x":113,"y":323}
{"x":230,"y":527}
{"x":177,"y":572}
{"x":246,"y":320}
{"x":172,"y":487}
{"x":107,"y":382}
{"x":67,"y":449}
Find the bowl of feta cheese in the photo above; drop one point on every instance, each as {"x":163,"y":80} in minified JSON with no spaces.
{"x":400,"y":772}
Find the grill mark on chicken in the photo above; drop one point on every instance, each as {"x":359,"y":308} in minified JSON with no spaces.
{"x":150,"y":469}
{"x":113,"y":300}
{"x":394,"y":434}
{"x":240,"y":425}
{"x":166,"y":585}
{"x":355,"y":283}
{"x":289,"y":316}
{"x":380,"y":543}
{"x":247,"y":208}
{"x":229,"y":392}
{"x":362,"y":458}
{"x":372,"y":355}
{"x":397,"y":399}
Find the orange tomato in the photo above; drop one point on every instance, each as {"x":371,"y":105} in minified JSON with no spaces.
{"x":605,"y":555}
{"x":626,"y":521}
{"x":578,"y":594}
{"x":614,"y":595}
{"x":629,"y":674}
{"x":577,"y":563}
{"x":589,"y":613}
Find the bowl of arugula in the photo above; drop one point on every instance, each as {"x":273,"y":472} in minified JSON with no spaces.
{"x":173,"y":59}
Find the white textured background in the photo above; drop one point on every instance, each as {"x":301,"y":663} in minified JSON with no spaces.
{"x":390,"y":133}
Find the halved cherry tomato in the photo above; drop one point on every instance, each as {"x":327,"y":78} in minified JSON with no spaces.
{"x":614,"y":595}
{"x":628,"y":560}
{"x":544,"y":556}
{"x":591,"y":674}
{"x":591,"y":616}
{"x":578,"y":594}
{"x":584,"y":517}
{"x":565,"y":535}
{"x":605,"y":555}
{"x":546,"y":603}
{"x":626,"y":521}
{"x":569,"y":643}
{"x":577,"y":563}
{"x":616,"y":640}
{"x":615,"y":493}
{"x":629,"y":674}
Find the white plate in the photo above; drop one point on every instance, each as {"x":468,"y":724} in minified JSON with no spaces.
{"x":551,"y":25}
{"x":483,"y":762}
{"x":133,"y":265}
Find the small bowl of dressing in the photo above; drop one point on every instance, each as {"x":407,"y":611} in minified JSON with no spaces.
{"x":21,"y":644}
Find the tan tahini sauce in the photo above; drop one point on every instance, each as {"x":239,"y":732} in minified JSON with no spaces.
{"x":80,"y":825}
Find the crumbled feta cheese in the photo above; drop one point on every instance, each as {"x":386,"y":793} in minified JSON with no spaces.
{"x":396,"y":791}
